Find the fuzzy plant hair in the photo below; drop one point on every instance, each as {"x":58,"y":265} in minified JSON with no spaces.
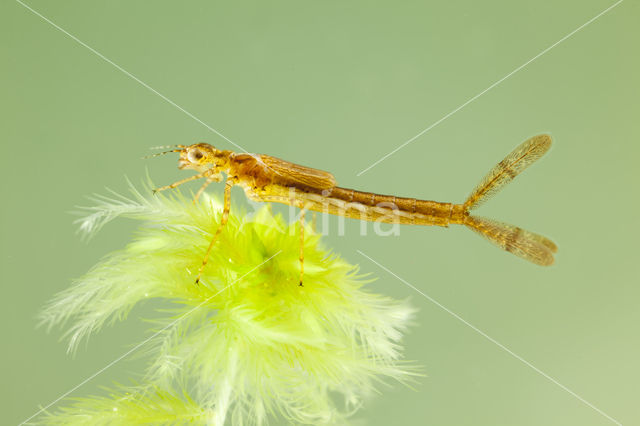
{"x":248,"y":344}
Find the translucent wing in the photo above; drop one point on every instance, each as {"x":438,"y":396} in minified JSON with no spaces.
{"x":506,"y":170}
{"x":525,"y":244}
{"x":297,"y":174}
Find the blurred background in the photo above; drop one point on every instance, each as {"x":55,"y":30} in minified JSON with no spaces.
{"x":337,"y":85}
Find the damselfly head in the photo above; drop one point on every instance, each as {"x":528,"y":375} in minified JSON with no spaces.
{"x":199,"y":156}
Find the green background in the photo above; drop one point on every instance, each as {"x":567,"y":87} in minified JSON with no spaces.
{"x":336,"y":85}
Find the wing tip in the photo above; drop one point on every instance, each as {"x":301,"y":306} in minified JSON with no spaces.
{"x":542,"y":141}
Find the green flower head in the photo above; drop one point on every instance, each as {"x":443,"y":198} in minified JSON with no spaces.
{"x":246,"y":344}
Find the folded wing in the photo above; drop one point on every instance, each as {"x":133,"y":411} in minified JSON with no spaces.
{"x":294,"y":174}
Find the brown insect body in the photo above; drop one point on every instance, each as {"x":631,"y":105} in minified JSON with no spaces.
{"x":269,"y":179}
{"x":263,"y":179}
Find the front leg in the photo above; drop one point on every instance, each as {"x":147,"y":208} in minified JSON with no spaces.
{"x":180,"y":182}
{"x":223,"y":222}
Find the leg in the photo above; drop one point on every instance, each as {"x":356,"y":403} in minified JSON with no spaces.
{"x":314,"y":220}
{"x":201,"y":190}
{"x":180,"y":182}
{"x":223,"y":221}
{"x":301,"y":244}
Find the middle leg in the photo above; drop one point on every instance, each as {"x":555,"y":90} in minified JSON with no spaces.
{"x":223,"y":222}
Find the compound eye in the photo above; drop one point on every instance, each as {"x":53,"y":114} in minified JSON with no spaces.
{"x":195,"y":155}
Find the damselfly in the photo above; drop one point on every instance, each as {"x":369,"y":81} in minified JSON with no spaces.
{"x":269,"y":179}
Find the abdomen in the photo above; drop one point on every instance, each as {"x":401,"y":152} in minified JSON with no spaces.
{"x":368,"y":206}
{"x":392,"y":209}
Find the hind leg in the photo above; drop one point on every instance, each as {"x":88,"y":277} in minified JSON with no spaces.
{"x":301,"y":245}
